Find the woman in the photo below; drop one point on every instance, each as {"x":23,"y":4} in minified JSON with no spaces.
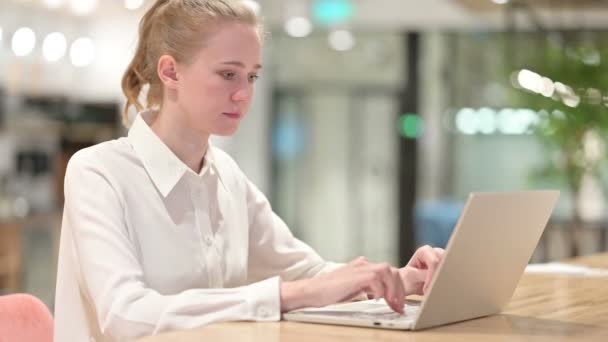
{"x":163,"y":231}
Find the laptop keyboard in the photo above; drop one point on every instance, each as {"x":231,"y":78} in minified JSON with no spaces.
{"x":410,"y":313}
{"x":371,"y":310}
{"x":389,"y":316}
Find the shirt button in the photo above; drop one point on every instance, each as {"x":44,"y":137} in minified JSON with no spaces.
{"x":208,"y":241}
{"x":263,"y":312}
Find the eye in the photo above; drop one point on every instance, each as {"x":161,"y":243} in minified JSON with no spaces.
{"x":253,"y":78}
{"x":228,"y":75}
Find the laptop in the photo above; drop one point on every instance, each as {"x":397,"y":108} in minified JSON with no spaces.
{"x":486,"y":255}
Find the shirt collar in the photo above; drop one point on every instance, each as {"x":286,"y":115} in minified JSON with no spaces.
{"x":163,"y":166}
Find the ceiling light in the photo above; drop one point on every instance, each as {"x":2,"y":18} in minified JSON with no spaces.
{"x":54,"y":46}
{"x":82,"y":52}
{"x":83,"y":7}
{"x":133,"y":4}
{"x":23,"y":41}
{"x":53,"y":4}
{"x":298,"y":27}
{"x":341,"y":40}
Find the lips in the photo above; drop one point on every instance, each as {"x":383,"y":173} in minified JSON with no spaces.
{"x":233,"y":115}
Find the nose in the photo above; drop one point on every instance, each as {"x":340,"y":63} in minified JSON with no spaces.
{"x":243,"y":94}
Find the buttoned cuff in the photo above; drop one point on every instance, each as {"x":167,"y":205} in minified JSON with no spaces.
{"x":264,"y":300}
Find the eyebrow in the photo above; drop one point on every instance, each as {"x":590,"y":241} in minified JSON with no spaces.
{"x":240,"y":64}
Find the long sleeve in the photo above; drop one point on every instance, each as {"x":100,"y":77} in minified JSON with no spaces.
{"x":110,"y":274}
{"x":273,"y":250}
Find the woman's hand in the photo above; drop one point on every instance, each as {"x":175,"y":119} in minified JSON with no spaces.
{"x":345,"y":283}
{"x":419,"y":271}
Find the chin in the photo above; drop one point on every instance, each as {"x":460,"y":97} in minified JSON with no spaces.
{"x":226,"y":131}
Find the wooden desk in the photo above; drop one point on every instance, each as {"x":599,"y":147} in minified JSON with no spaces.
{"x":543,"y":308}
{"x":10,"y":257}
{"x":11,"y":251}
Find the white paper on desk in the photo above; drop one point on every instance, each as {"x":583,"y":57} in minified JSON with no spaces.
{"x":566,"y":269}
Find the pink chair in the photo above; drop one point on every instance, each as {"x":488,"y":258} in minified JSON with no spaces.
{"x":24,"y":318}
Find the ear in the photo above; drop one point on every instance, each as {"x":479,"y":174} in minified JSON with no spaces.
{"x":167,"y":71}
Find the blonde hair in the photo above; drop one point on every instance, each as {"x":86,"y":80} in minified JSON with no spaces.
{"x":177,"y":28}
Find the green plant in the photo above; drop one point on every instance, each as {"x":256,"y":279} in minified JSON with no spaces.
{"x":572,"y":100}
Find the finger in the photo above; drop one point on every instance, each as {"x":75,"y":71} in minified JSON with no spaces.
{"x":430,"y":257}
{"x":351,"y":280}
{"x":397,"y":295}
{"x":431,"y":267}
{"x":399,"y":289}
{"x":371,"y":292}
{"x":371,"y":284}
{"x":376,"y":289}
{"x":439,"y":252}
{"x":419,"y":257}
{"x":414,"y":259}
{"x":430,"y":261}
{"x":363,"y":283}
{"x":356,"y":296}
{"x":390,"y":283}
{"x":413,"y":280}
{"x":360,"y":261}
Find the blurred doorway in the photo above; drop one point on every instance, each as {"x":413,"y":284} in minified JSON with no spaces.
{"x":334,"y":168}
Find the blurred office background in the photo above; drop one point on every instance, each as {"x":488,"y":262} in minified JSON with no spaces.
{"x":371,"y":123}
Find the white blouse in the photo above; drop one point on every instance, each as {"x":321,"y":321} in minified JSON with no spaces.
{"x":147,"y":245}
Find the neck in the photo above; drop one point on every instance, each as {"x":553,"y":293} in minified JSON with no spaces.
{"x":189,"y":145}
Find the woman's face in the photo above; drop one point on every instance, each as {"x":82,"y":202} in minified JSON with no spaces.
{"x":215,"y":89}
